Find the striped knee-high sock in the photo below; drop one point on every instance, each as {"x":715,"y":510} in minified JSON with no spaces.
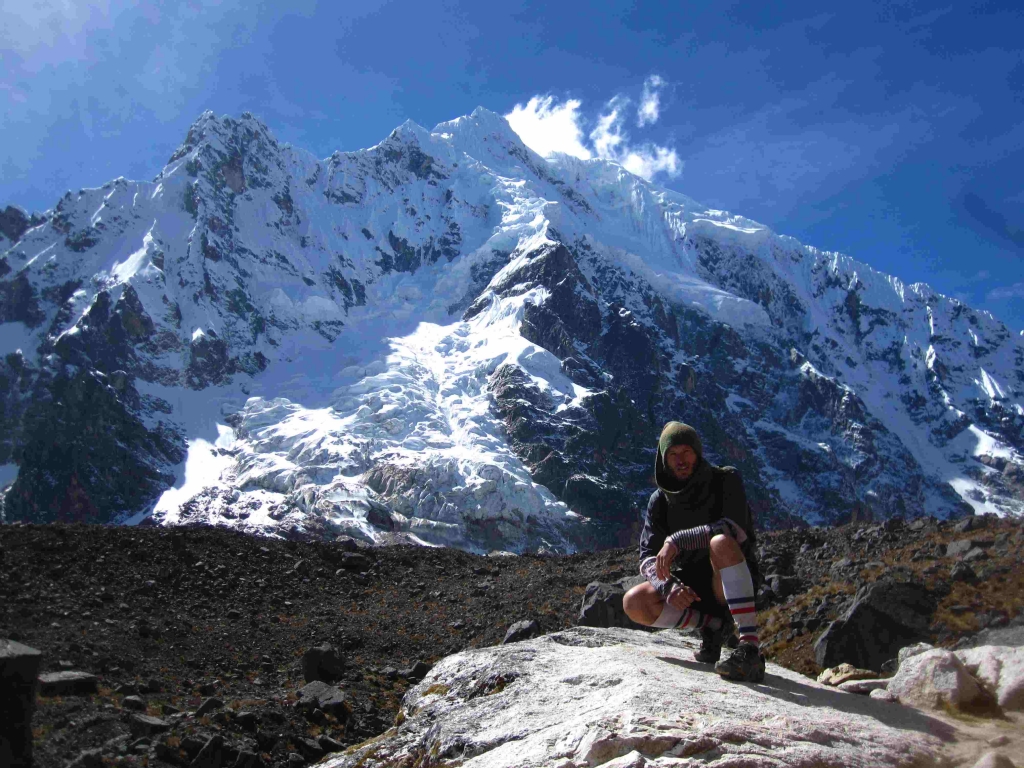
{"x":687,"y":618}
{"x":739,"y":594}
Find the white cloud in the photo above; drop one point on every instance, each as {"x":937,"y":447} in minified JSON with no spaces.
{"x":1015,"y":291}
{"x":611,"y":142}
{"x":547,"y":126}
{"x":650,"y":102}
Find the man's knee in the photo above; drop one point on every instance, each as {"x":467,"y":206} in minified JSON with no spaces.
{"x":637,"y":603}
{"x":725,"y":551}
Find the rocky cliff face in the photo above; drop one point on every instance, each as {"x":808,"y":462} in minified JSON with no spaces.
{"x":448,"y":339}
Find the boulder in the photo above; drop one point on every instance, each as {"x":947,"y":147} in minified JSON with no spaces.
{"x":355,"y":561}
{"x":212,"y":755}
{"x":68,"y":683}
{"x":884,"y":617}
{"x":146,"y":725}
{"x":322,"y":663}
{"x":1000,"y":670}
{"x":416,"y":672}
{"x":320,"y":695}
{"x":611,"y":697}
{"x":937,"y":679}
{"x":18,"y":667}
{"x":522,"y":630}
{"x":959,"y":548}
{"x":602,"y":603}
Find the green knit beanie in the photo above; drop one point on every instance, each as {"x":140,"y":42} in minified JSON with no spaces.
{"x":677,"y":433}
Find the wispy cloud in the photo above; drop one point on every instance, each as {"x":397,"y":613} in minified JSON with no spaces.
{"x":1015,"y":291}
{"x":611,"y":142}
{"x":650,"y":102}
{"x":548,"y":126}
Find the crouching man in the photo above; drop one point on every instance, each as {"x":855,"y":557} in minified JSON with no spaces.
{"x":697,"y":553}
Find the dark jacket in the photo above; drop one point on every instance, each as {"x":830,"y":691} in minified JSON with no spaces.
{"x":710,"y":494}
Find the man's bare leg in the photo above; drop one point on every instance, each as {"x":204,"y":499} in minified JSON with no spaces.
{"x":643,"y":604}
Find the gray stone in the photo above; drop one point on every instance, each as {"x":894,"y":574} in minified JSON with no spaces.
{"x":322,"y":663}
{"x":19,"y":665}
{"x":959,"y":548}
{"x":602,"y":604}
{"x":522,"y":630}
{"x":89,"y":758}
{"x":783,"y":586}
{"x":882,"y":694}
{"x":961,"y":571}
{"x":212,"y":755}
{"x":209,"y":705}
{"x":146,"y":725}
{"x":884,"y":617}
{"x":416,"y":672}
{"x":320,"y":695}
{"x":355,"y":561}
{"x":1012,"y":636}
{"x":69,"y":683}
{"x":976,"y":554}
{"x":327,"y":744}
{"x":134,"y":702}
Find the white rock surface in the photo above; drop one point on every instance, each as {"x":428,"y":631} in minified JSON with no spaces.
{"x":933,"y":679}
{"x":1001,"y":670}
{"x":882,"y":694}
{"x":994,"y":760}
{"x":912,"y":650}
{"x":625,"y":698}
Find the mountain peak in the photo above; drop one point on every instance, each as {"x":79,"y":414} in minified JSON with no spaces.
{"x":225,"y":129}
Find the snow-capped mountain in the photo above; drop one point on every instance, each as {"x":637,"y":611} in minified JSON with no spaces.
{"x":448,"y":338}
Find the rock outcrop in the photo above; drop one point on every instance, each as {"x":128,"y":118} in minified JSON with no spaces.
{"x":618,"y":698}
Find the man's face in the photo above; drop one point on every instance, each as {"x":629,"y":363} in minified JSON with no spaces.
{"x":681,"y":460}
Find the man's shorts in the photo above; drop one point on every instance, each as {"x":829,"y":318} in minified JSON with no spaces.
{"x":698,"y":575}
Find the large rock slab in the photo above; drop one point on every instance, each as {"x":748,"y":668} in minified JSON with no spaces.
{"x":619,"y":697}
{"x":1000,"y":670}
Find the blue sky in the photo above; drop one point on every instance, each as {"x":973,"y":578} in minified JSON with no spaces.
{"x":893,"y":132}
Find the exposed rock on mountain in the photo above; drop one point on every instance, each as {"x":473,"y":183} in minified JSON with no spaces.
{"x":448,"y":339}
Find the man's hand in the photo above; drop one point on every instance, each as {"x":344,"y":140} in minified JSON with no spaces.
{"x":665,"y":557}
{"x":681,"y":597}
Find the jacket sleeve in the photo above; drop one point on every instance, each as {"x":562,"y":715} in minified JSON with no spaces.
{"x":654,"y":531}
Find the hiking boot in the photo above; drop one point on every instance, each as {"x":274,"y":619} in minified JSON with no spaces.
{"x":745,"y":664}
{"x":711,"y":644}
